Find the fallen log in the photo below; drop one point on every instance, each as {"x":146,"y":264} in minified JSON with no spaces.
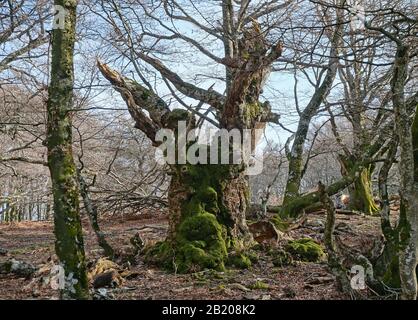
{"x":286,"y":225}
{"x":320,"y":280}
{"x":316,"y":208}
{"x":339,"y":211}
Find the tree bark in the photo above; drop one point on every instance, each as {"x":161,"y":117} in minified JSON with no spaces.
{"x":415,"y":144}
{"x":67,"y":225}
{"x":386,"y":265}
{"x":207,"y":218}
{"x":208,"y":204}
{"x":334,"y":260}
{"x":361,"y":195}
{"x":409,"y":187}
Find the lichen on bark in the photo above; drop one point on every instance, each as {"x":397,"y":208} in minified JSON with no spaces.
{"x":69,"y":245}
{"x":408,"y":222}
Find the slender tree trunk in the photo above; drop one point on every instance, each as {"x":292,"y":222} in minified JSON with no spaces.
{"x":67,"y":225}
{"x":12,"y":213}
{"x":334,"y":261}
{"x":31,"y":209}
{"x":409,"y":187}
{"x":295,"y":155}
{"x":227,"y":13}
{"x":19,"y":213}
{"x":92,"y":213}
{"x":7,"y":212}
{"x":386,"y":266}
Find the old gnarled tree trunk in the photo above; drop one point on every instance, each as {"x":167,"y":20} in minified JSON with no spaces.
{"x":207,"y":202}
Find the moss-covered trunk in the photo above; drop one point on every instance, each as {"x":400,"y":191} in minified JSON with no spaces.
{"x":207,"y":219}
{"x":298,"y":205}
{"x":295,"y":172}
{"x":361,"y":197}
{"x":361,"y":194}
{"x":386,"y":266}
{"x":67,"y":225}
{"x":208,"y":205}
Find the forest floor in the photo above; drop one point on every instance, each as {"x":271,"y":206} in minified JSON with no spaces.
{"x":33,"y":242}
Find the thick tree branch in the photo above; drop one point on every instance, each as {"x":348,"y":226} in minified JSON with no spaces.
{"x":210,"y":97}
{"x":137,"y":98}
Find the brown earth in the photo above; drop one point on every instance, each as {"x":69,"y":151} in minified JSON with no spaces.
{"x":33,"y":242}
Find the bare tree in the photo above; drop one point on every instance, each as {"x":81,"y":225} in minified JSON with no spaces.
{"x":22,"y":32}
{"x":203,"y":199}
{"x":401,"y":28}
{"x":322,"y":89}
{"x":67,"y":224}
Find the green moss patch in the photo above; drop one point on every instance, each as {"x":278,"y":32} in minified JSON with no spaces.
{"x":391,"y":277}
{"x":305,"y":249}
{"x":239,"y":261}
{"x":203,"y":235}
{"x":161,"y":254}
{"x":280,"y":223}
{"x":259,"y":285}
{"x":201,"y":244}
